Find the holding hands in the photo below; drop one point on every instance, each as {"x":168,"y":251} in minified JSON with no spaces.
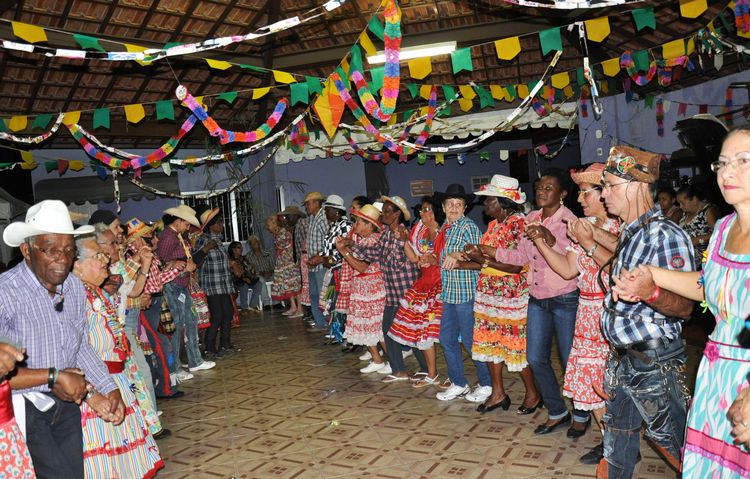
{"x":634,"y":285}
{"x":537,"y":232}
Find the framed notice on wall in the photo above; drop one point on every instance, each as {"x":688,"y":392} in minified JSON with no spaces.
{"x":420,"y":188}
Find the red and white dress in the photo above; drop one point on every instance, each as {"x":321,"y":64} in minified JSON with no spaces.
{"x":588,"y":355}
{"x":15,"y":461}
{"x":417,"y":321}
{"x":364,"y":322}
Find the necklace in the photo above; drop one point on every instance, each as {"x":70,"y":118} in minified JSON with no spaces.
{"x":99,"y":302}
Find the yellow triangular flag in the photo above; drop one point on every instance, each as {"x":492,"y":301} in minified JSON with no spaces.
{"x":30,"y":33}
{"x":392,"y":120}
{"x":560,"y":80}
{"x":611,"y":67}
{"x":423,"y":111}
{"x":17,"y":123}
{"x":507,"y":48}
{"x":692,"y":8}
{"x":568,"y":91}
{"x":498,"y":92}
{"x":136,"y":49}
{"x":465,"y":104}
{"x":605,"y":87}
{"x":260,"y":92}
{"x":218,"y":64}
{"x":134,"y":113}
{"x":27,"y":157}
{"x":440,"y":159}
{"x":597,"y":29}
{"x":76,"y":165}
{"x":71,"y":117}
{"x":467,"y":92}
{"x":367,"y":44}
{"x":690,"y":47}
{"x":424,"y":91}
{"x":200,"y":101}
{"x":344,"y":66}
{"x":523,"y":91}
{"x":673,"y":49}
{"x":28,"y":166}
{"x":283,"y":77}
{"x":420,"y":67}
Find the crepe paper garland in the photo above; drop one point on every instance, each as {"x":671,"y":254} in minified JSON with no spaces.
{"x":742,"y":15}
{"x":298,"y":137}
{"x":660,"y":116}
{"x":385,"y":156}
{"x":226,"y":136}
{"x":570,"y":4}
{"x":33,"y":139}
{"x":641,"y":79}
{"x":392,"y":74}
{"x":94,"y":152}
{"x":667,"y":74}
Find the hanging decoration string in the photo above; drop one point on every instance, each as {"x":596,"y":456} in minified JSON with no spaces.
{"x":33,"y":139}
{"x":571,"y":4}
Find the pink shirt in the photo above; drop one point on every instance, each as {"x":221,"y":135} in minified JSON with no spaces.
{"x":543,"y":282}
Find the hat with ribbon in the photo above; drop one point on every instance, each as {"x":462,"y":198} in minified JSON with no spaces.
{"x":184,"y":212}
{"x":503,"y":187}
{"x":591,"y":174}
{"x":334,"y":201}
{"x":314,"y":195}
{"x":633,"y":164}
{"x":136,"y":228}
{"x":399,"y":203}
{"x":208,"y":215}
{"x":370,"y":214}
{"x":45,"y":217}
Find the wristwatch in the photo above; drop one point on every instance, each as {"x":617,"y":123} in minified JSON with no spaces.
{"x":590,"y":251}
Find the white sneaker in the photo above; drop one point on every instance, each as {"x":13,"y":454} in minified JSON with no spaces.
{"x":372,"y":367}
{"x":159,"y":413}
{"x":366,"y":357}
{"x":452,"y":392}
{"x":386,"y":369}
{"x":406,"y":354}
{"x":203,"y":366}
{"x":183,"y":375}
{"x":479,"y":394}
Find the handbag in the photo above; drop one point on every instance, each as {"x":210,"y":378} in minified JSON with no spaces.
{"x":166,"y":323}
{"x":200,"y":303}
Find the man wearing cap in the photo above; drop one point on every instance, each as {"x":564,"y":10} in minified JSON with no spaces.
{"x":42,"y":310}
{"x":217,"y":281}
{"x":645,"y":375}
{"x":316,"y":241}
{"x":173,"y":246}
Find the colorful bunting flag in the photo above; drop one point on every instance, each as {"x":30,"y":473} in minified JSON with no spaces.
{"x":71,"y":117}
{"x":313,"y":85}
{"x":228,"y":96}
{"x":355,"y":59}
{"x":498,"y":92}
{"x":560,"y":80}
{"x":367,"y":44}
{"x":644,"y":17}
{"x":30,"y":33}
{"x":597,"y":29}
{"x":465,"y":104}
{"x":420,"y":67}
{"x":218,"y":64}
{"x":461,"y":158}
{"x":673,"y":49}
{"x":467,"y":92}
{"x":550,"y":39}
{"x":507,"y":48}
{"x":136,"y":49}
{"x":62,"y":166}
{"x":164,"y":111}
{"x":41,"y":121}
{"x":134,"y":113}
{"x":50,"y":166}
{"x":611,"y":67}
{"x":461,"y":60}
{"x":260,"y":92}
{"x":76,"y":165}
{"x":378,"y":76}
{"x":299,"y":93}
{"x":440,"y":159}
{"x":376,"y":27}
{"x":425,"y":91}
{"x":484,"y":156}
{"x":283,"y":77}
{"x":87,"y":42}
{"x":18,"y":123}
{"x":421,"y":158}
{"x":413,"y":89}
{"x":692,"y":8}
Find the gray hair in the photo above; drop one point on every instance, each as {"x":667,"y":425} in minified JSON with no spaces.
{"x":80,"y":241}
{"x":100,"y":228}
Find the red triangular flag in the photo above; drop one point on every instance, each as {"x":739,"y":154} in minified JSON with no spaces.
{"x":682,"y":109}
{"x":62,"y":166}
{"x":137,"y":173}
{"x":703,"y":109}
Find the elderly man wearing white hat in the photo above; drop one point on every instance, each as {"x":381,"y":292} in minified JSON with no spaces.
{"x":42,"y":310}
{"x":173,"y":247}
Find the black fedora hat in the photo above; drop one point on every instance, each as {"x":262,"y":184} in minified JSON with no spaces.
{"x":455,"y":190}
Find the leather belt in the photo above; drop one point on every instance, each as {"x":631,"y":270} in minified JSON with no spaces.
{"x":637,"y":349}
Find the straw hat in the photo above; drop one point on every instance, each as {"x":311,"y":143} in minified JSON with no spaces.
{"x":399,"y":203}
{"x":591,"y":174}
{"x":184,"y":212}
{"x":208,"y":215}
{"x":136,"y":228}
{"x":45,"y":217}
{"x":633,"y":164}
{"x":503,"y":187}
{"x":291,"y":210}
{"x":370,"y":214}
{"x":314,"y":195}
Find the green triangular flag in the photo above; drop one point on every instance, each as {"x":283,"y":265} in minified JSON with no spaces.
{"x":641,"y":60}
{"x":445,"y":111}
{"x":164,"y":110}
{"x":228,"y":97}
{"x":724,"y":21}
{"x":251,"y":67}
{"x":559,"y":96}
{"x":408,"y":114}
{"x":342,"y":74}
{"x":169,"y":45}
{"x":313,"y":85}
{"x":649,"y":101}
{"x":449,"y":92}
{"x":511,"y":92}
{"x":461,"y":60}
{"x":101,"y":118}
{"x":5,"y":165}
{"x":3,"y":126}
{"x":299,"y":93}
{"x":41,"y":121}
{"x":190,"y":167}
{"x":644,"y":17}
{"x":85,"y":41}
{"x":580,"y":79}
{"x":485,"y":99}
{"x":484,"y":156}
{"x":550,"y":40}
{"x":377,"y":74}
{"x":50,"y":166}
{"x":376,"y":27}
{"x":355,"y":59}
{"x":413,"y":89}
{"x":238,"y":159}
{"x":421,"y":158}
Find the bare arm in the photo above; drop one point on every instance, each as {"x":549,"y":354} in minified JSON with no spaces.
{"x":684,"y":283}
{"x":357,"y":264}
{"x":639,"y":285}
{"x":606,"y":239}
{"x":410,"y":254}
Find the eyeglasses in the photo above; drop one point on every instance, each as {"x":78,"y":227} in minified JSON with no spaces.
{"x":609,"y":186}
{"x":105,"y":243}
{"x":54,"y":253}
{"x":425,"y":209}
{"x":585,"y":192}
{"x":741,"y":164}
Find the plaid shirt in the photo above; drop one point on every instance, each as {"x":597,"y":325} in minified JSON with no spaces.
{"x":260,"y":263}
{"x":158,"y":276}
{"x":399,"y":273}
{"x":459,"y":284}
{"x":300,"y":235}
{"x":60,"y":340}
{"x":214,"y":274}
{"x":169,"y":249}
{"x":339,"y":228}
{"x":316,"y":236}
{"x":659,"y":243}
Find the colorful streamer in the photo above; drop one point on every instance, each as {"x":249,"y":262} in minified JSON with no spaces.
{"x":298,"y":137}
{"x":660,"y":116}
{"x":641,"y":79}
{"x":742,"y":15}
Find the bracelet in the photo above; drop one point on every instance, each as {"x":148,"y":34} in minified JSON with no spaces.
{"x":51,"y":377}
{"x":145,"y":275}
{"x":590,"y":251}
{"x":89,"y":394}
{"x":486,"y":263}
{"x":654,"y":296}
{"x":348,"y":253}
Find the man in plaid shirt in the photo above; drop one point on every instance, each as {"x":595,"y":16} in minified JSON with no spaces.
{"x":316,"y":239}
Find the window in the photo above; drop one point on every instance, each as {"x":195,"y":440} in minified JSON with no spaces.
{"x":478,"y":181}
{"x":237,"y":210}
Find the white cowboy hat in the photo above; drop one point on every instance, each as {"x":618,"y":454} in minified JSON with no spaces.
{"x":45,"y":217}
{"x":184,"y":212}
{"x":335,"y":201}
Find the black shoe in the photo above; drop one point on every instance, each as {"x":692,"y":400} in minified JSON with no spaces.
{"x":545,"y":429}
{"x":523,"y":410}
{"x":163,"y":434}
{"x":505,"y":404}
{"x":593,"y":456}
{"x":230,"y":351}
{"x":574,"y":433}
{"x":211,"y":356}
{"x":174,"y":395}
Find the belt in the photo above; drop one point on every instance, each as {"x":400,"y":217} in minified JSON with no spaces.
{"x":115,"y":367}
{"x":637,"y":349}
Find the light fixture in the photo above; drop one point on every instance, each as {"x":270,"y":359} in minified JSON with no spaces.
{"x":420,"y":51}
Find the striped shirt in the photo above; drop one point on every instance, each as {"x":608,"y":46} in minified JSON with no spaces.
{"x":316,"y":236}
{"x":60,"y":340}
{"x":300,"y":236}
{"x":260,"y":263}
{"x":459,"y":284}
{"x":659,"y":242}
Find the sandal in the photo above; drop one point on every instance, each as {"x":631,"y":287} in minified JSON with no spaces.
{"x":425,"y":381}
{"x":418,"y":375}
{"x":445,"y":384}
{"x":393,"y":379}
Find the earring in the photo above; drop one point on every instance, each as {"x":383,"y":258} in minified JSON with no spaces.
{"x":561,"y":202}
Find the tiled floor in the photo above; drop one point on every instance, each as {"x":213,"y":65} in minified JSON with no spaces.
{"x":290,"y":407}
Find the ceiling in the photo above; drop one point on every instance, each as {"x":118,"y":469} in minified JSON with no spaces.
{"x":32,"y":83}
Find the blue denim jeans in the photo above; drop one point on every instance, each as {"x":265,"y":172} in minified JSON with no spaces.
{"x":243,"y":302}
{"x":547,"y":317}
{"x":316,"y":282}
{"x":652,"y":393}
{"x":260,"y":291}
{"x":181,"y":306}
{"x":458,"y":320}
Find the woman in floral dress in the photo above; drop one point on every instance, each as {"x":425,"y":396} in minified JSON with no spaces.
{"x":15,"y":460}
{"x":286,"y":277}
{"x":417,"y":321}
{"x":502,"y":297}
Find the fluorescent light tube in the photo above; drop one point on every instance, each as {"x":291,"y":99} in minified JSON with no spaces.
{"x":416,"y":52}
